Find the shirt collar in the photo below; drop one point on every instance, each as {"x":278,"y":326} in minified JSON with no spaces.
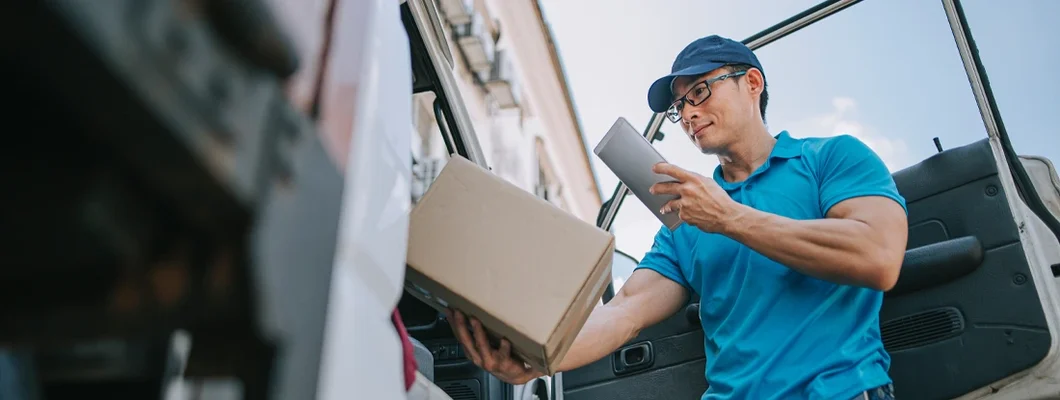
{"x":786,"y":147}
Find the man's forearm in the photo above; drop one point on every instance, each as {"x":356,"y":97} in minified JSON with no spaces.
{"x":605,"y":331}
{"x":840,"y":250}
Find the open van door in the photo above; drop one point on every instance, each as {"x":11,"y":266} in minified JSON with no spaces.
{"x":974,"y":314}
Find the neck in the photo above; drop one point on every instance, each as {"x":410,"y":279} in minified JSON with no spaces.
{"x":745,"y":156}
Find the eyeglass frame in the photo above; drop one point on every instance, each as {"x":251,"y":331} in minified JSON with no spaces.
{"x":674,"y":111}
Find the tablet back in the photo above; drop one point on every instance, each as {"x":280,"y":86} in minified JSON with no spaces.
{"x":631,"y":157}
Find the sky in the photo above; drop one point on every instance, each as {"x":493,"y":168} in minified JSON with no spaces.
{"x":886,"y":71}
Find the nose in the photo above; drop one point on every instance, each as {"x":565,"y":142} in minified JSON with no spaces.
{"x":690,"y":113}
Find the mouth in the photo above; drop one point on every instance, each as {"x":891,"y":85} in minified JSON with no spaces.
{"x":700,"y":131}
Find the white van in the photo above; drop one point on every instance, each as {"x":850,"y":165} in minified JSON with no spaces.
{"x":202,"y":177}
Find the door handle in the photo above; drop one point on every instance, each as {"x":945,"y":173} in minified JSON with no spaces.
{"x":632,"y":358}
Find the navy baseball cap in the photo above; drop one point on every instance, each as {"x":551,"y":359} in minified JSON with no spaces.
{"x":699,"y":57}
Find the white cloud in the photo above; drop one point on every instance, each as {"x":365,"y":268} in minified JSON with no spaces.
{"x":842,"y":120}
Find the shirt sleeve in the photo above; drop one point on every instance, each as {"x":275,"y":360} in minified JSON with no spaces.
{"x":848,"y":168}
{"x":662,"y":258}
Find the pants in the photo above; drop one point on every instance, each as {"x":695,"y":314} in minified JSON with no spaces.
{"x":885,"y":392}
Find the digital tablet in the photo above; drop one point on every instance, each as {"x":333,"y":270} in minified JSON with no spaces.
{"x":631,"y":157}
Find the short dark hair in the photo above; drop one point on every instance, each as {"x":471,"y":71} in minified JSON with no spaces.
{"x":762,"y":101}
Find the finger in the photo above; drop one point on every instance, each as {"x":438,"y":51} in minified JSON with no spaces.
{"x":671,"y":206}
{"x":511,"y":365}
{"x":455,"y":317}
{"x":505,"y":349}
{"x":484,"y":349}
{"x":669,"y":169}
{"x":460,"y":325}
{"x":665,"y":188}
{"x":514,"y":361}
{"x":522,"y":379}
{"x":516,"y":368}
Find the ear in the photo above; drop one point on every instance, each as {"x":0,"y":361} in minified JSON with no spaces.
{"x":755,"y":81}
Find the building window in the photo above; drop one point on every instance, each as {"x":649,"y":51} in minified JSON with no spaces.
{"x":548,"y":186}
{"x":428,"y":150}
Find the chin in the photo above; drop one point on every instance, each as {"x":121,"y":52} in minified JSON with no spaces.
{"x":708,"y":147}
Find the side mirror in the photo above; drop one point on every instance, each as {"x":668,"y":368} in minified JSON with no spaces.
{"x":622,"y":266}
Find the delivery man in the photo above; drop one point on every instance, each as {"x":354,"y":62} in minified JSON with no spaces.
{"x":790,"y":245}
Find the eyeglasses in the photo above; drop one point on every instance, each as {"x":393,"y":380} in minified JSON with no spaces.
{"x":695,"y":96}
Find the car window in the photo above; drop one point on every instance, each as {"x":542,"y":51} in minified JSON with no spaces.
{"x":853,"y":73}
{"x":622,"y":266}
{"x":1015,"y":41}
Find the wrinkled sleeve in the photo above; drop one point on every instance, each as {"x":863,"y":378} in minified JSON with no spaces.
{"x":848,"y":168}
{"x":662,"y":258}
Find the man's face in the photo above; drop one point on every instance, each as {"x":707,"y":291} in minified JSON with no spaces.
{"x":716,"y":123}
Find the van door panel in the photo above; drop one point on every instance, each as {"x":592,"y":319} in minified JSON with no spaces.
{"x":956,"y":335}
{"x":665,"y":361}
{"x":1047,"y":184}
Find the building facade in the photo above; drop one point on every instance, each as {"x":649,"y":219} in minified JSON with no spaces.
{"x":515,"y":93}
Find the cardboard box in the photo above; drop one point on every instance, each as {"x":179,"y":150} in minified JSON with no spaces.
{"x":529,"y":271}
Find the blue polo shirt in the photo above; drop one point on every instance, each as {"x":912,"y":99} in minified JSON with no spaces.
{"x":772,"y":332}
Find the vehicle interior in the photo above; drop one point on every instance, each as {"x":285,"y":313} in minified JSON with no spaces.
{"x":143,"y":201}
{"x":966,"y":314}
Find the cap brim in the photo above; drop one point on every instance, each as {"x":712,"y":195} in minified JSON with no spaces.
{"x":660,"y":95}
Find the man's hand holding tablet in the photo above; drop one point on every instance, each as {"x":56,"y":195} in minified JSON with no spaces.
{"x":700,"y":201}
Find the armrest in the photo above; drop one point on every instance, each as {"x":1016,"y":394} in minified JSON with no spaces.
{"x":938,"y":263}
